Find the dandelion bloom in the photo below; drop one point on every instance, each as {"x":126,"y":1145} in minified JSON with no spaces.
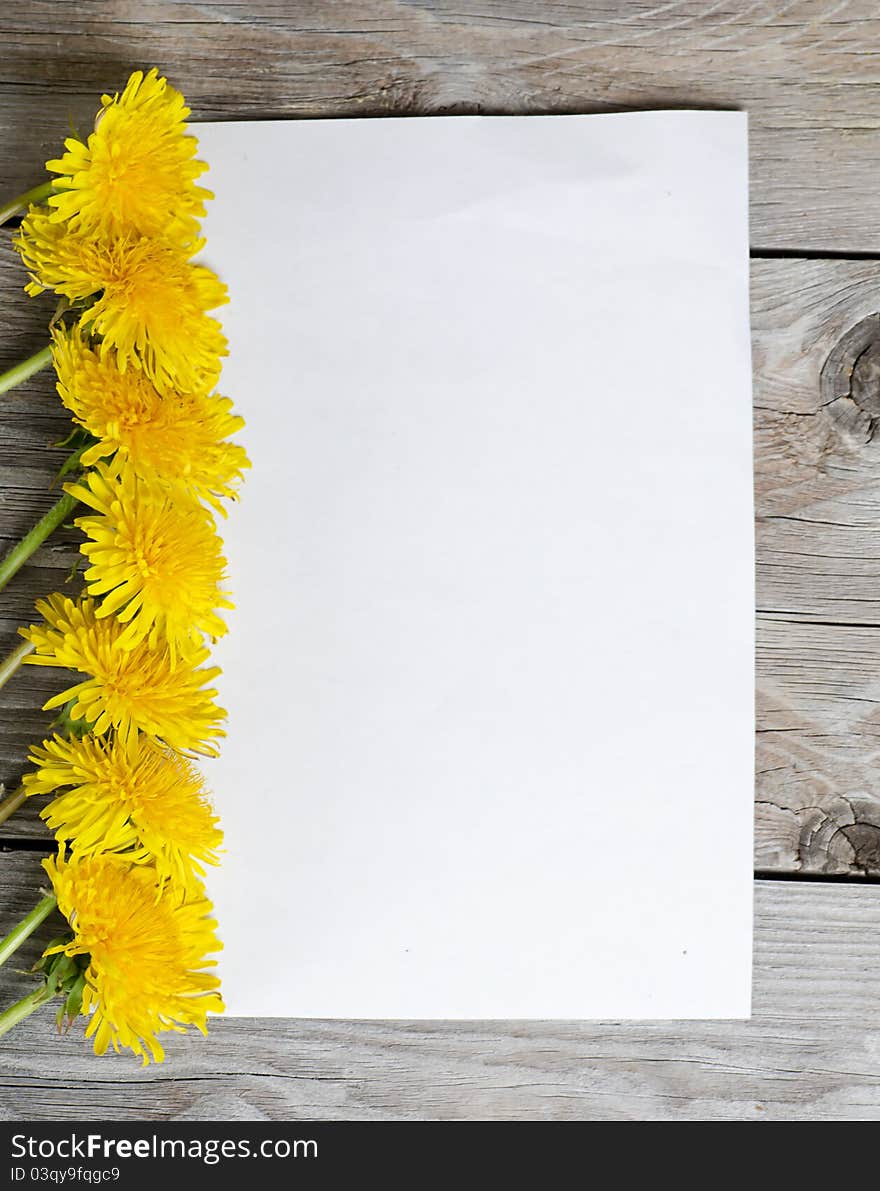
{"x":142,"y":798}
{"x":179,"y":438}
{"x":148,"y":948}
{"x":150,"y":301}
{"x":155,"y":559}
{"x":136,"y":173}
{"x":126,"y":689}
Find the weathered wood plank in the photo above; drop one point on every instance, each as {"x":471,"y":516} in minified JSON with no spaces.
{"x":810,"y":1052}
{"x":818,"y":791}
{"x":817,"y":484}
{"x":807,"y":72}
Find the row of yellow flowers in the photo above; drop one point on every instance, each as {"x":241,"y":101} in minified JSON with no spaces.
{"x":136,"y":354}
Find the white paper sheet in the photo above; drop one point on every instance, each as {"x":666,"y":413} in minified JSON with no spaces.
{"x":490,"y":680}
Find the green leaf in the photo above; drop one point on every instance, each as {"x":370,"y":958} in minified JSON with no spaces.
{"x":66,"y":725}
{"x":80,"y":440}
{"x":73,"y":1004}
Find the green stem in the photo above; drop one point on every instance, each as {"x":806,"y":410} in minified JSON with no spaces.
{"x":13,"y":660}
{"x":11,"y":803}
{"x":22,"y":201}
{"x":24,"y":1008}
{"x":27,"y":926}
{"x":19,"y":373}
{"x":20,"y":553}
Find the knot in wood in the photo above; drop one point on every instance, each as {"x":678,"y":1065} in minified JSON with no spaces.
{"x":849,"y":383}
{"x":864,"y":840}
{"x":845,"y":837}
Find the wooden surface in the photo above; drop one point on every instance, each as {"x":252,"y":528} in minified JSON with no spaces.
{"x":811,"y":1051}
{"x":806,"y":70}
{"x":808,"y":74}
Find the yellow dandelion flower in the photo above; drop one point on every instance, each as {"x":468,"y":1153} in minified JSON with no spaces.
{"x":178,"y":438}
{"x":144,"y":799}
{"x":150,"y":301}
{"x":153,"y":312}
{"x":148,"y":949}
{"x":136,"y":172}
{"x":126,"y":689}
{"x":55,"y":259}
{"x":155,"y":559}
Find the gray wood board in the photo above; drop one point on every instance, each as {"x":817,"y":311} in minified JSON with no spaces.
{"x":811,"y":1051}
{"x":806,"y":72}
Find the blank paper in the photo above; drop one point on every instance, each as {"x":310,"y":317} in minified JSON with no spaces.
{"x":490,"y":677}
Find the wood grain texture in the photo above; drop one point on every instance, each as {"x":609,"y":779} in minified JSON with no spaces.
{"x":806,"y":71}
{"x":817,"y":483}
{"x":811,"y":1052}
